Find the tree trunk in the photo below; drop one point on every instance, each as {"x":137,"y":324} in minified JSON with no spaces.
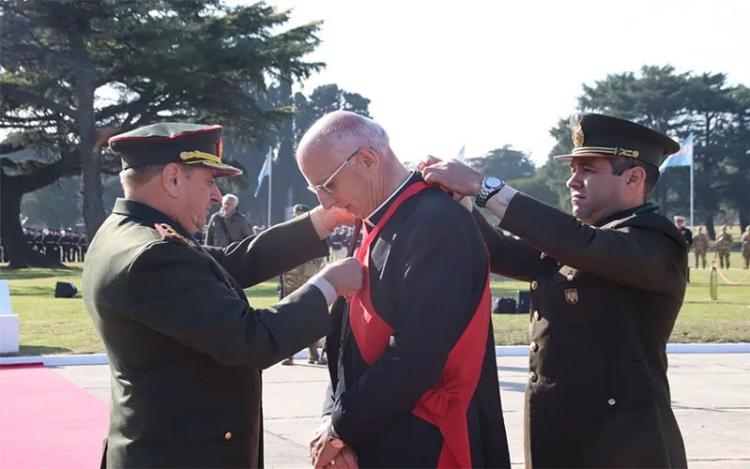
{"x":93,"y":207}
{"x":283,"y":170}
{"x":744,"y":213}
{"x":710,"y":229}
{"x":17,"y":250}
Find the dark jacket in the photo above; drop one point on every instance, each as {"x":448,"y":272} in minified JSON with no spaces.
{"x":184,"y":346}
{"x":604,"y":302}
{"x":223,"y":231}
{"x":427,"y":295}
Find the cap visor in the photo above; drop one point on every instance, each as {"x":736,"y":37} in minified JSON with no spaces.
{"x":222,"y":170}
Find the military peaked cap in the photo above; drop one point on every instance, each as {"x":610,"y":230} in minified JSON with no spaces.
{"x":172,"y":142}
{"x":611,"y":137}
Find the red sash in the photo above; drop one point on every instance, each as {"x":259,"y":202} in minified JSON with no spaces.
{"x":445,"y":405}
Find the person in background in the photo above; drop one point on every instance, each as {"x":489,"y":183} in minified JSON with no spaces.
{"x":700,"y":247}
{"x":746,"y":246}
{"x":723,"y":244}
{"x":227,"y":226}
{"x":679,"y":222}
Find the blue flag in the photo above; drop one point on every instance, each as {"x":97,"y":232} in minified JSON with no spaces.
{"x":684,"y":157}
{"x":265,"y":170}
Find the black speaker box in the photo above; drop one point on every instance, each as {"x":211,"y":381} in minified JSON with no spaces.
{"x":524,"y":301}
{"x":65,"y":290}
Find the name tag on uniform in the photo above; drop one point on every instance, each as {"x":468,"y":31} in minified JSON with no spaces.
{"x":571,"y":295}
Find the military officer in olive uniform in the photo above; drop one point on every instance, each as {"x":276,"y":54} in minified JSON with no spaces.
{"x":184,"y":346}
{"x":296,"y":278}
{"x":723,"y":244}
{"x":607,"y":284}
{"x":700,"y":247}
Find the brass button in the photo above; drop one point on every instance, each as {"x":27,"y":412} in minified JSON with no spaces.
{"x":533,"y":377}
{"x":611,"y":401}
{"x":534,"y":284}
{"x":228,"y":436}
{"x":534,"y":346}
{"x":536,"y":315}
{"x":570,"y":277}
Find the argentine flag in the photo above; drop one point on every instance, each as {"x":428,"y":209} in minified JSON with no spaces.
{"x":265,"y":170}
{"x":684,"y":157}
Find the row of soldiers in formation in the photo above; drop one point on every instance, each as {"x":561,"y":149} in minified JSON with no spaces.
{"x":61,"y":245}
{"x":699,"y":244}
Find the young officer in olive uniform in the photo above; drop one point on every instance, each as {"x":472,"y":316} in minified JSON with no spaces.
{"x":184,"y":346}
{"x":607,"y":285}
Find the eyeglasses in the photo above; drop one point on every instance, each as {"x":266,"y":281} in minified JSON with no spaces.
{"x":323,"y":187}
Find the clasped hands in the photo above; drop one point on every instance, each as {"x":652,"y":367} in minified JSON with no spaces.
{"x":328,"y":453}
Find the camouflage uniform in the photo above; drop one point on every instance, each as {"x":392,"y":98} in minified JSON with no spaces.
{"x":700,"y":248}
{"x":746,"y":247}
{"x":723,"y":243}
{"x":291,"y":281}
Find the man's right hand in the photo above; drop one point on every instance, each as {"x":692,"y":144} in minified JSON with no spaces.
{"x":345,"y":276}
{"x":452,"y":175}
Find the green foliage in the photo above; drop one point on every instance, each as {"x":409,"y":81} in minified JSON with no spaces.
{"x":504,"y":162}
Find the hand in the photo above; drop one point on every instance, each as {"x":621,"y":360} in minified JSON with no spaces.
{"x":325,"y":220}
{"x":319,"y":432}
{"x":345,"y":276}
{"x":346,"y":459}
{"x":453,"y":176}
{"x":332,"y":453}
{"x":335,"y":216}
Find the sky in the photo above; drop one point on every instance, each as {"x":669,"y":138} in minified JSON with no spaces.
{"x":443,"y":74}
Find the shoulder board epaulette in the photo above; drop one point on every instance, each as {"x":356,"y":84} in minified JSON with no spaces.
{"x":169,"y":233}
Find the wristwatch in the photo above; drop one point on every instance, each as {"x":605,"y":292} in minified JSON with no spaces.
{"x":490,"y":186}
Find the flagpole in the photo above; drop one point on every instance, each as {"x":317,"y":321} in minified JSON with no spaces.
{"x":270,"y":179}
{"x":692,"y":163}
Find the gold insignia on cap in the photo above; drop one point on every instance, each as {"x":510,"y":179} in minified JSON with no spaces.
{"x":571,"y":295}
{"x":578,"y":136}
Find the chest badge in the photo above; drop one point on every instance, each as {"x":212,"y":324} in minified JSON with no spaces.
{"x":571,"y":295}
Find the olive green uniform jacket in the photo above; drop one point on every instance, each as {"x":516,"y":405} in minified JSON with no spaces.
{"x":184,"y":346}
{"x":604,"y":302}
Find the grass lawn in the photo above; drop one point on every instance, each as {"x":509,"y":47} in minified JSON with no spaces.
{"x":56,"y":325}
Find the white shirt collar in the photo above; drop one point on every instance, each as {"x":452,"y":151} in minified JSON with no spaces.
{"x":388,"y":199}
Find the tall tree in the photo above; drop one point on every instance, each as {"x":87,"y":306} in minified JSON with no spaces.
{"x":507,"y":162}
{"x":74,"y":73}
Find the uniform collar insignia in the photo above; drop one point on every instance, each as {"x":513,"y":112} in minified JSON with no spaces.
{"x":571,"y":295}
{"x":167,"y":232}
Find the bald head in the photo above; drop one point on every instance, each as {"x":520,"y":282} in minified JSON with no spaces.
{"x":348,"y":159}
{"x":342,"y":132}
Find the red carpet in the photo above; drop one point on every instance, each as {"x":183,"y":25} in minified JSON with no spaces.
{"x":48,"y":422}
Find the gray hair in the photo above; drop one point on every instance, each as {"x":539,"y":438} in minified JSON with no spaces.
{"x":231,"y":197}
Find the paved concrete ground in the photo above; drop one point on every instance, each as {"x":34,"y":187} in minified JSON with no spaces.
{"x":711,"y":398}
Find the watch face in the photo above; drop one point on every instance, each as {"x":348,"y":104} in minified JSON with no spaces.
{"x":492,"y":183}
